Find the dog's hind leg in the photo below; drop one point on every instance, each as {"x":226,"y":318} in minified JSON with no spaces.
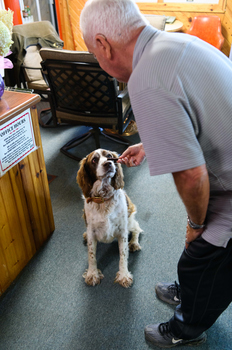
{"x":134,"y":228}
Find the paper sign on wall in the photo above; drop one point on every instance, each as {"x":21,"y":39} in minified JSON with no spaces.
{"x":16,"y":140}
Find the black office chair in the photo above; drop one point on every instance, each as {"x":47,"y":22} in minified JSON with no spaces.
{"x":84,"y":94}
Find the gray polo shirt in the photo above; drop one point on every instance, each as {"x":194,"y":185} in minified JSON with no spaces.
{"x":181,"y":95}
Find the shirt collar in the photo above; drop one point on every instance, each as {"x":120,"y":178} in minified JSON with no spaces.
{"x":145,"y":36}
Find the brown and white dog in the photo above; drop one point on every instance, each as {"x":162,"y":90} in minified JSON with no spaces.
{"x":108,"y":213}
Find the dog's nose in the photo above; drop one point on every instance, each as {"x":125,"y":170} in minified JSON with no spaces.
{"x":108,"y":165}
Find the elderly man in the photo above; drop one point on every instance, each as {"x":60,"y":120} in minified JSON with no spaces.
{"x":180,"y":90}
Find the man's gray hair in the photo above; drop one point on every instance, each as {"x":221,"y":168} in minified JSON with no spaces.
{"x":116,"y":19}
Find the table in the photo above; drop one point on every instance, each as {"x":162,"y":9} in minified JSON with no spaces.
{"x":26,"y":217}
{"x":173,"y":27}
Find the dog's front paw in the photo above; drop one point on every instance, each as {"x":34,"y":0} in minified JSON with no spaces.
{"x":93,"y":278}
{"x":125,"y":280}
{"x":133,"y":247}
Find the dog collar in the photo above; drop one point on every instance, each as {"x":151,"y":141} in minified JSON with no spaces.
{"x":97,"y":200}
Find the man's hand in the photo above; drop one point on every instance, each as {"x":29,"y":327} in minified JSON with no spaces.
{"x":191,"y":235}
{"x":193,"y":187}
{"x":133,"y":155}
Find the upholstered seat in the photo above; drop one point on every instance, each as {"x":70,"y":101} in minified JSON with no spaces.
{"x":33,"y":74}
{"x":27,"y":41}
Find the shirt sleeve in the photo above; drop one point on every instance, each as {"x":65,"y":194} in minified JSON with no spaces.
{"x":166,"y":131}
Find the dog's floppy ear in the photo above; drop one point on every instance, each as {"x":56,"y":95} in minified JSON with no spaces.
{"x":117,"y":181}
{"x":84,"y":178}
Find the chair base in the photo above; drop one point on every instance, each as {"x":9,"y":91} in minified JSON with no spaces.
{"x":96,"y":132}
{"x":45,"y":118}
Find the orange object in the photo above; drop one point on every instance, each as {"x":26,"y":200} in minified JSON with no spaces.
{"x":58,"y":19}
{"x":208,"y":28}
{"x":14,"y":6}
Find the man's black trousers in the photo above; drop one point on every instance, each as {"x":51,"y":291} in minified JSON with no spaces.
{"x":205,"y":277}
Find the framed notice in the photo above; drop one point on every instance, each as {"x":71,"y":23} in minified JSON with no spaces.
{"x":16,"y":140}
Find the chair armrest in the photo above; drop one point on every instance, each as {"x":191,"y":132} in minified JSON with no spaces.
{"x":123,"y":93}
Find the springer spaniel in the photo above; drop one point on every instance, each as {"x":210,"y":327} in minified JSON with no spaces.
{"x":108,"y":213}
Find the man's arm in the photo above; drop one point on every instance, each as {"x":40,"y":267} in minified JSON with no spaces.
{"x":193,"y":187}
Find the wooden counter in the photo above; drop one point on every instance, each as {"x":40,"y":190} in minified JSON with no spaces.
{"x":26,"y":217}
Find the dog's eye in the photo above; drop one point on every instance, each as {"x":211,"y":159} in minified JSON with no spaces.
{"x":94,"y":160}
{"x":109,"y":156}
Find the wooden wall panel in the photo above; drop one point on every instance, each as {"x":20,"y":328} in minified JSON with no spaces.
{"x":71,"y":10}
{"x":227,"y":27}
{"x":65,"y":24}
{"x":75,"y":7}
{"x":186,"y":19}
{"x":183,"y":14}
{"x":69,"y":15}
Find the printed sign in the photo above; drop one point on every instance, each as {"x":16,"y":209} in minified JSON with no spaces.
{"x":16,"y":141}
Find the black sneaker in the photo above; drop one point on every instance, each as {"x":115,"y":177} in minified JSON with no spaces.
{"x":170,"y":293}
{"x":161,"y":335}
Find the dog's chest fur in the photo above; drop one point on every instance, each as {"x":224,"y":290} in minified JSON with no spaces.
{"x":107,"y":220}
